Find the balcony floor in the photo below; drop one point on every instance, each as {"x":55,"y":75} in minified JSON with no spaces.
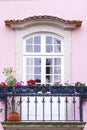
{"x":43,"y":125}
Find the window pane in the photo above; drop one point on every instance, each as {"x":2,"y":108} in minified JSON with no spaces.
{"x":29,"y":41}
{"x":37,"y":78}
{"x":57,"y":77}
{"x":37,"y":70}
{"x":57,"y":45}
{"x":29,"y":77}
{"x":37,"y":40}
{"x":49,"y":47}
{"x":48,"y":40}
{"x":49,"y":70}
{"x":57,"y":61}
{"x":37,"y":61}
{"x":37,"y":48}
{"x":29,"y":45}
{"x":29,"y":70}
{"x":49,"y":61}
{"x":29,"y":61}
{"x":29,"y":48}
{"x":57,"y":70}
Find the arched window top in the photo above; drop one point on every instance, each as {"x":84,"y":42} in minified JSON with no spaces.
{"x":39,"y":20}
{"x":44,"y":43}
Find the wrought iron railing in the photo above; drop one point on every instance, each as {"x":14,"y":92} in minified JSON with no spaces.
{"x":46,"y":103}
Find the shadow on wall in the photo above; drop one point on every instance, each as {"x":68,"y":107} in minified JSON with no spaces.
{"x":85,"y":111}
{"x":85,"y":128}
{"x":1,"y":115}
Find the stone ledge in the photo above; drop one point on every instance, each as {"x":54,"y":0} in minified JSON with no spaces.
{"x":43,"y":125}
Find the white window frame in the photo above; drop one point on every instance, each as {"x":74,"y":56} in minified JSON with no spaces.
{"x":64,"y":33}
{"x":44,"y":54}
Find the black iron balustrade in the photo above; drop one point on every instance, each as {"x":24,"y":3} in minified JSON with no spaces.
{"x":45,"y":103}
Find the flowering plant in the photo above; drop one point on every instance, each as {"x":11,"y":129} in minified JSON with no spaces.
{"x":20,"y":83}
{"x":58,"y":83}
{"x":31,"y":82}
{"x":10,"y":78}
{"x":3,"y":84}
{"x":78,"y":83}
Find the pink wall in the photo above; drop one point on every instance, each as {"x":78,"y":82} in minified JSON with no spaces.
{"x":66,"y":9}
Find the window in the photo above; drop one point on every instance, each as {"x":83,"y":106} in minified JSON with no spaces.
{"x":43,"y":58}
{"x":48,"y":44}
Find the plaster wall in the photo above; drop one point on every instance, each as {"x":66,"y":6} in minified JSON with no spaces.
{"x":66,"y":9}
{"x":69,"y":9}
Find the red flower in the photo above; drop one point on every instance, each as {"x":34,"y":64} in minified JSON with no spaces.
{"x":3,"y":84}
{"x":31,"y":82}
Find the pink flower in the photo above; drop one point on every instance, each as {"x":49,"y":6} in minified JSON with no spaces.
{"x":20,"y":83}
{"x":57,"y":82}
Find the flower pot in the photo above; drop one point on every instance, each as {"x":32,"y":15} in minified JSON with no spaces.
{"x":13,"y":116}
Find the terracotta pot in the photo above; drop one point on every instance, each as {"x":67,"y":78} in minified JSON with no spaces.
{"x":13,"y":116}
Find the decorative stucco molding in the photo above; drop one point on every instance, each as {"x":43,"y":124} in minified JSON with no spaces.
{"x":41,"y":20}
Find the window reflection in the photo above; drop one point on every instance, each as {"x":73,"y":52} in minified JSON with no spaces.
{"x":49,"y":46}
{"x":37,"y":61}
{"x":29,"y":46}
{"x":57,"y":45}
{"x":49,"y":69}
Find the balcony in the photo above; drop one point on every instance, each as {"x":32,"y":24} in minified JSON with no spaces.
{"x":46,"y":107}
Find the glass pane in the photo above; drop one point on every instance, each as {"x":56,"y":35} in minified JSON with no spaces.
{"x":37,"y":61}
{"x":37,"y":48}
{"x":29,"y":61}
{"x":49,"y":48}
{"x":37,"y":78}
{"x":57,"y":45}
{"x":29,"y":77}
{"x":57,"y":61}
{"x":57,"y":77}
{"x":47,"y":78}
{"x":29,"y":45}
{"x":49,"y":61}
{"x":29,"y":41}
{"x":57,"y":70}
{"x":37,"y":40}
{"x":37,"y":70}
{"x":49,"y":70}
{"x":48,"y":40}
{"x":29,"y":48}
{"x":29,"y":70}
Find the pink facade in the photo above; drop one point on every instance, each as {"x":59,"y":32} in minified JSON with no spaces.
{"x":66,"y":9}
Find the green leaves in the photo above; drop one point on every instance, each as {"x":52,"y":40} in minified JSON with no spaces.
{"x":9,"y":73}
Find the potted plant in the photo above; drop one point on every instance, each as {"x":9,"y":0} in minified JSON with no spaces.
{"x":12,"y":106}
{"x":10,"y":78}
{"x":31,"y":86}
{"x":80,"y":87}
